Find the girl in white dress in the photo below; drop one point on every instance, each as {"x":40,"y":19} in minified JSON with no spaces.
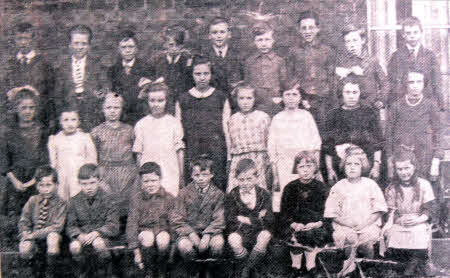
{"x":69,"y":149}
{"x":159,"y":138}
{"x":292,"y":130}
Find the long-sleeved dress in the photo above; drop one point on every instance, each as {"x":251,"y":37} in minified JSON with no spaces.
{"x":67,"y":154}
{"x":416,"y":126}
{"x":289,"y":134}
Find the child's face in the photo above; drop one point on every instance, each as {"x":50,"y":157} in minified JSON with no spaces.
{"x":150,"y":183}
{"x":69,"y":122}
{"x":246,"y":100}
{"x":128,"y":49}
{"x":112,"y":108}
{"x":412,"y":35}
{"x":157,"y":102}
{"x":405,"y":170}
{"x":248,"y":179}
{"x":219,"y":34}
{"x":79,"y":44}
{"x":354,"y":43}
{"x":265,"y":42}
{"x":415,"y":84}
{"x":350,"y":95}
{"x":171,"y":46}
{"x":201,"y":177}
{"x":202,"y":76}
{"x":291,"y":99}
{"x":24,"y":42}
{"x":89,"y":186}
{"x":26,"y":110}
{"x":306,"y":170}
{"x":309,"y":29}
{"x":353,"y":167}
{"x":46,"y":187}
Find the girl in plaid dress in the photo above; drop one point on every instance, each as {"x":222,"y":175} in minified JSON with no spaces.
{"x":114,"y":143}
{"x":248,"y":130}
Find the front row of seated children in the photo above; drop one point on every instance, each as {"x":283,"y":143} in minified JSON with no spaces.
{"x":202,"y":218}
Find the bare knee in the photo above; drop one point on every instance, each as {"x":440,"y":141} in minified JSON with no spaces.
{"x":216,"y":245}
{"x":163,"y":241}
{"x":185,"y":246}
{"x":263,"y":240}
{"x":75,"y":248}
{"x":53,"y":240}
{"x":147,"y":239}
{"x":235,"y":241}
{"x":26,"y":249}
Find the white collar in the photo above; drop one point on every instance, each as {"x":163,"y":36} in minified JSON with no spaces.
{"x":174,"y":61}
{"x":82,"y":60}
{"x":196,"y":93}
{"x":413,"y":104}
{"x":415,"y":48}
{"x":30,"y":55}
{"x":128,"y":64}
{"x":224,"y":50}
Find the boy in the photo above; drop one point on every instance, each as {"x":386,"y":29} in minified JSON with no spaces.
{"x":225,"y":59}
{"x":266,"y":71}
{"x":355,"y":61}
{"x":128,"y":74}
{"x":413,"y":55}
{"x":81,"y":79}
{"x":42,"y":221}
{"x":311,"y":64}
{"x":249,"y":217}
{"x":174,"y":64}
{"x":92,"y":221}
{"x":29,"y":67}
{"x":201,"y":205}
{"x":151,"y":214}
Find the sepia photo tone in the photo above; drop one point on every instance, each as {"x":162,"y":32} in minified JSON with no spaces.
{"x":233,"y":138}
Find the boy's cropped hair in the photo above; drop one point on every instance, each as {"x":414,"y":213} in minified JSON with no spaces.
{"x":150,"y":168}
{"x":261,"y":28}
{"x":127,"y":35}
{"x":411,"y":21}
{"x":415,"y":70}
{"x":175,"y":32}
{"x":308,"y":156}
{"x":218,"y":20}
{"x":352,"y":79}
{"x":81,"y":29}
{"x":24,"y":27}
{"x":203,"y":161}
{"x":88,"y":171}
{"x":244,"y":165}
{"x":354,"y":150}
{"x":309,"y":14}
{"x":45,"y":171}
{"x":348,"y":28}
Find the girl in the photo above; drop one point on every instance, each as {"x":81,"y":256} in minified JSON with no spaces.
{"x":355,"y":124}
{"x":414,"y":122}
{"x":302,"y":207}
{"x":159,"y":138}
{"x":114,"y":142}
{"x":24,"y":149}
{"x":248,"y":130}
{"x":292,"y":130}
{"x":204,"y":112}
{"x":69,"y":149}
{"x":355,"y":205}
{"x":410,"y":200}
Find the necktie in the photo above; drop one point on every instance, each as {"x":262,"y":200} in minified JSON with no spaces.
{"x":220,"y":54}
{"x":127,"y":69}
{"x":78,"y":75}
{"x":22,"y":59}
{"x":411,"y":54}
{"x":43,"y":213}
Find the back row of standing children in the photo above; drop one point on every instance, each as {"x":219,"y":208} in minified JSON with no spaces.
{"x":218,"y":104}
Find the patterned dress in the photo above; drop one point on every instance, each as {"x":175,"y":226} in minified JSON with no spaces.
{"x":248,"y":136}
{"x":115,"y":157}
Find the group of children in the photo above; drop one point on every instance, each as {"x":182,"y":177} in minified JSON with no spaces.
{"x":274,"y":131}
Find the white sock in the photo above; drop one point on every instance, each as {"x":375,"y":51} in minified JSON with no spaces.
{"x":296,"y":260}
